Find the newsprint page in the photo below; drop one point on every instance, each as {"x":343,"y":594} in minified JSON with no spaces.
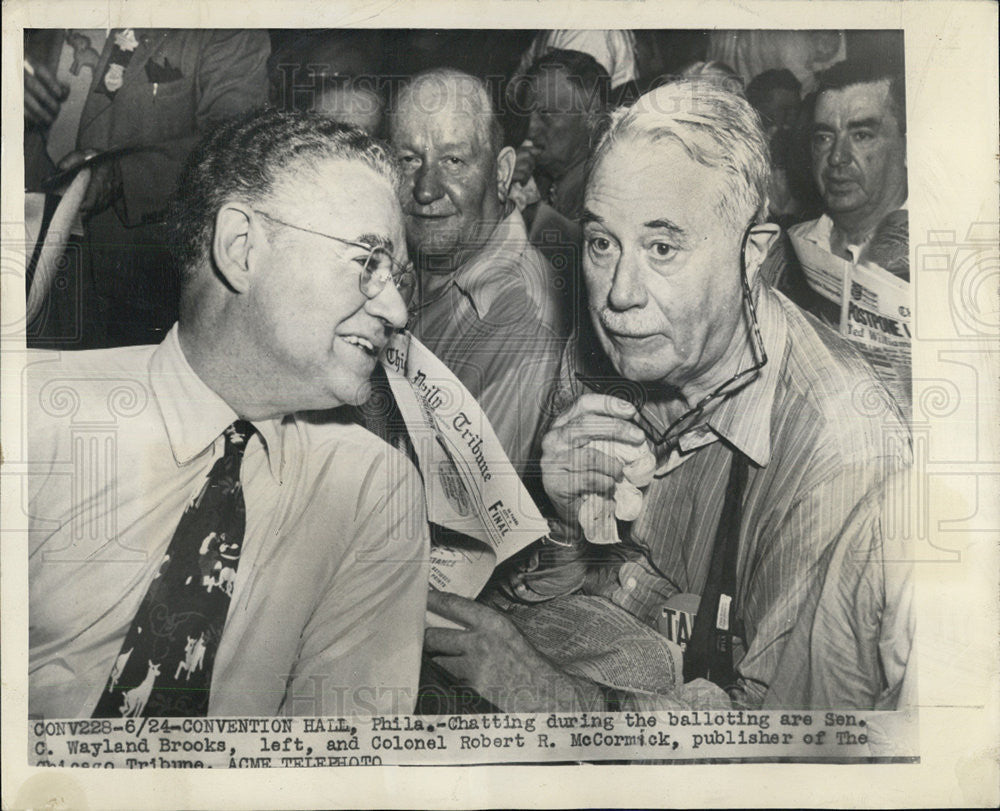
{"x":573,"y":403}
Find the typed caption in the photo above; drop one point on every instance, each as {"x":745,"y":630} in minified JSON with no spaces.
{"x":163,"y":743}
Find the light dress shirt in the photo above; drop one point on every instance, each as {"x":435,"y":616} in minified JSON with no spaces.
{"x":327,"y":611}
{"x":820,"y":232}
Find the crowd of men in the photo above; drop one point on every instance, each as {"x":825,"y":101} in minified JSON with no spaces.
{"x":601,"y":271}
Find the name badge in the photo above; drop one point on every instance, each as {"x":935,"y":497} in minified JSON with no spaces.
{"x":676,"y":620}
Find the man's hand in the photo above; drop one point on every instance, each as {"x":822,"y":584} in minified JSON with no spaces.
{"x":492,"y":657}
{"x":43,"y":95}
{"x":570,"y":470}
{"x":104,"y":187}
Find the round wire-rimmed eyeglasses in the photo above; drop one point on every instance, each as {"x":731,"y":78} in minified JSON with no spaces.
{"x":377,"y":265}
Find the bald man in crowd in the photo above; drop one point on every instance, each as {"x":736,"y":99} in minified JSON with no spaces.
{"x":487,"y":306}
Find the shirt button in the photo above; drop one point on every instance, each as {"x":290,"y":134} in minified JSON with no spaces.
{"x":631,"y":583}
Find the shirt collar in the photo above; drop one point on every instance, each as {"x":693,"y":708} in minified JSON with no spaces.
{"x":820,"y":231}
{"x":744,"y":419}
{"x":193,"y":415}
{"x":477,"y":278}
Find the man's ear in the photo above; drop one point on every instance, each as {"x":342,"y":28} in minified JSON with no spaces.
{"x":505,"y":171}
{"x":759,"y":242}
{"x":231,"y":245}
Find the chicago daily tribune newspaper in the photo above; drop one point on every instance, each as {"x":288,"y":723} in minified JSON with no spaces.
{"x":932,"y":340}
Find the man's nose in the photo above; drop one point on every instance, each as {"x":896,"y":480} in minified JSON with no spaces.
{"x":388,"y":306}
{"x":627,"y":291}
{"x":840,"y":152}
{"x":427,"y":184}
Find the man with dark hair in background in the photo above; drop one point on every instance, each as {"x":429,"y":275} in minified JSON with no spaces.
{"x":565,"y":93}
{"x":859,"y":164}
{"x":775,"y":95}
{"x":294,"y":277}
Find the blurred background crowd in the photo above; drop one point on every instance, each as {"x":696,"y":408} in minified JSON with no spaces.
{"x":135,"y":101}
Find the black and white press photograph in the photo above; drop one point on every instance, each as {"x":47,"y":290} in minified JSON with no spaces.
{"x":397,"y":390}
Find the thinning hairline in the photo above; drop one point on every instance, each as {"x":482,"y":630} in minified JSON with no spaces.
{"x":289,"y":173}
{"x":638,"y":136}
{"x":490,"y":132}
{"x":281,"y":195}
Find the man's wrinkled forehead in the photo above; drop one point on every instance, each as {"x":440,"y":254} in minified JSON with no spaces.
{"x":656,"y":180}
{"x":855,"y":103}
{"x":345,"y":192}
{"x":449,"y":103}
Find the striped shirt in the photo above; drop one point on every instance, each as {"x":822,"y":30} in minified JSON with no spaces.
{"x":822,"y":436}
{"x":496,"y":325}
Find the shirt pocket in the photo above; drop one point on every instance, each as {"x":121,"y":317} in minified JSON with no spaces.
{"x":172,"y":109}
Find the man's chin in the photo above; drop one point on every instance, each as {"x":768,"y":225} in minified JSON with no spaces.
{"x":641,"y":369}
{"x":343,"y":391}
{"x":842,"y":203}
{"x":359,"y":394}
{"x":647,"y":375}
{"x":431,"y":235}
{"x":431,"y":255}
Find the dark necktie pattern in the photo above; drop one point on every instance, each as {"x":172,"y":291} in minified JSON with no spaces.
{"x":165,"y":664}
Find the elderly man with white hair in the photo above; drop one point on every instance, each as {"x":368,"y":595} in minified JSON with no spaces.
{"x":760,"y":547}
{"x":488,"y":307}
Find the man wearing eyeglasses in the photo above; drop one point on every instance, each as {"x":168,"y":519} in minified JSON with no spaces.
{"x":303,"y":536}
{"x":760,"y":547}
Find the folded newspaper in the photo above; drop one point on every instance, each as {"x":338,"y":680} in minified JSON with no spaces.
{"x":471,"y":487}
{"x":875,"y":312}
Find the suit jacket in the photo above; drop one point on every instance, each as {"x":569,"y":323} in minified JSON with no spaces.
{"x":176,"y":85}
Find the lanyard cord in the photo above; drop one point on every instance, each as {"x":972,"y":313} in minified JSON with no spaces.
{"x":709,"y":653}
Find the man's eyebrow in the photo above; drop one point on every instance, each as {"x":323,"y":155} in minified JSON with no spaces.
{"x":666,"y":225}
{"x":662,"y":224}
{"x":462,"y":147}
{"x":375,"y":241}
{"x":871,"y":123}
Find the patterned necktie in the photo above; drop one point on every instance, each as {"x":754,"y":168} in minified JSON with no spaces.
{"x":166,"y":660}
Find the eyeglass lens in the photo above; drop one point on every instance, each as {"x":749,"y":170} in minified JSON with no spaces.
{"x":379,"y":271}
